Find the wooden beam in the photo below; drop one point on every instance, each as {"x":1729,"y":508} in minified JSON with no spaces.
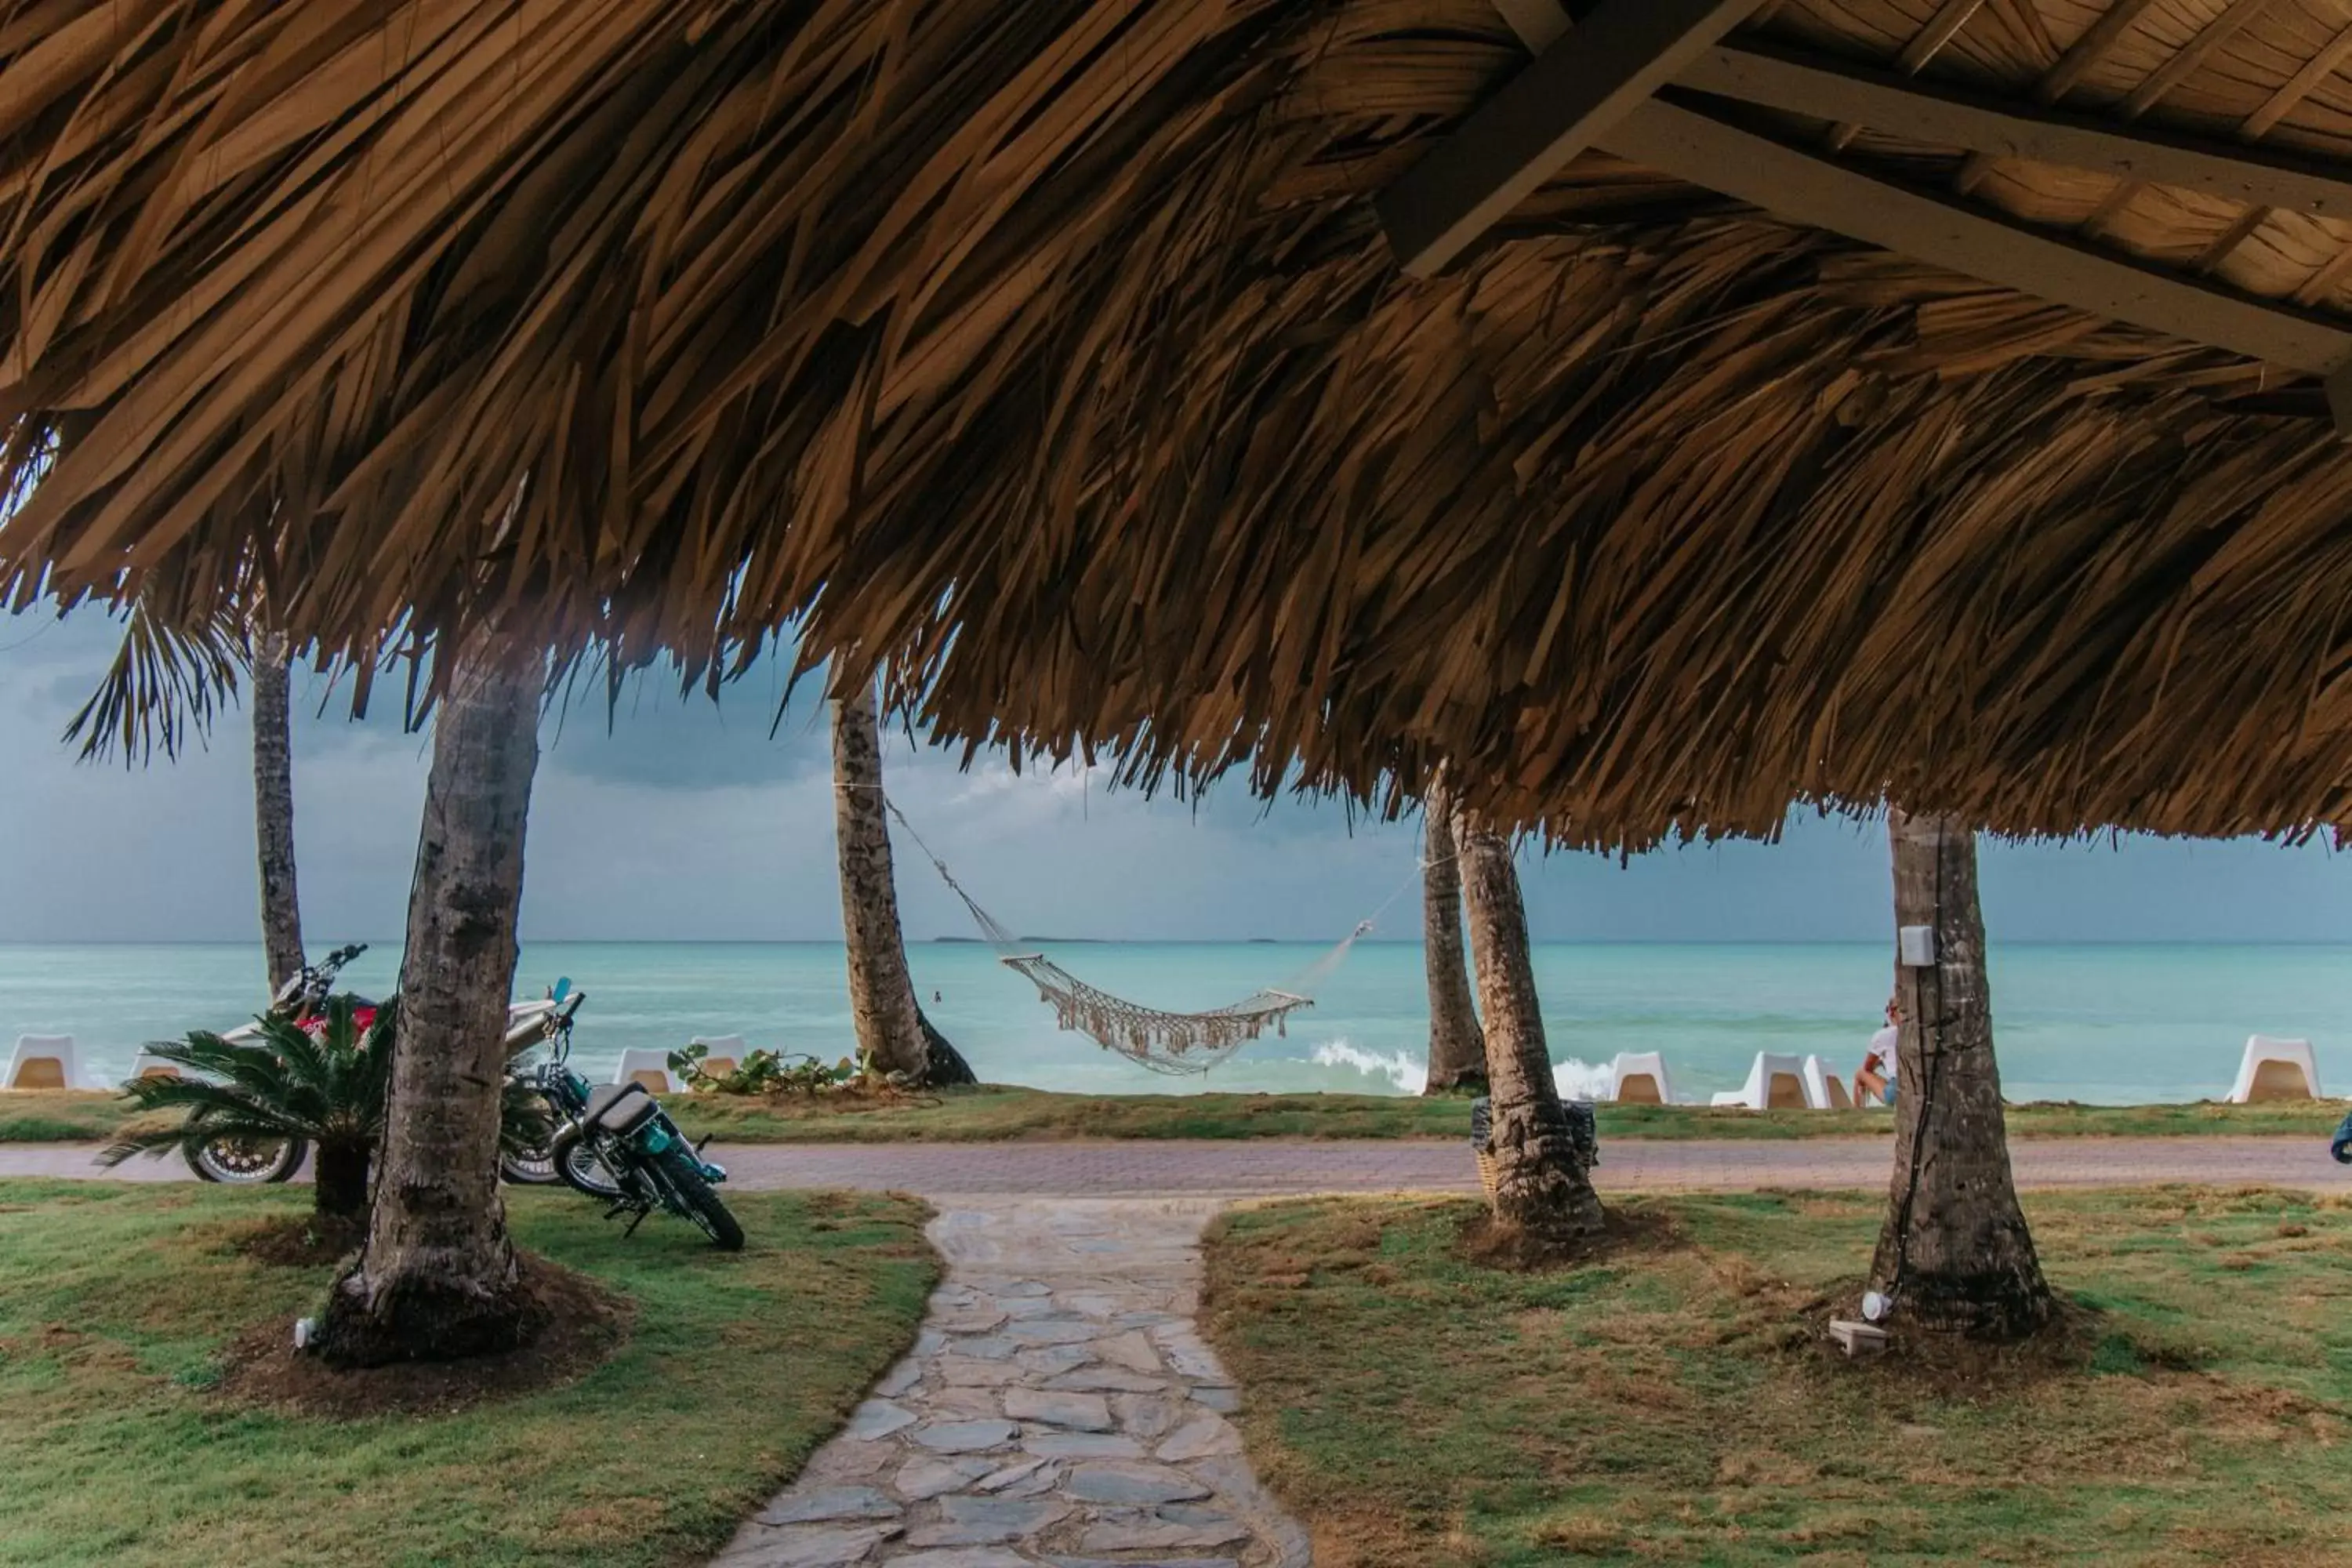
{"x":1539,"y":24}
{"x":2321,"y":67}
{"x":2090,"y":48}
{"x":1543,"y":118}
{"x":1796,"y":186}
{"x":1834,"y":90}
{"x":2175,"y":70}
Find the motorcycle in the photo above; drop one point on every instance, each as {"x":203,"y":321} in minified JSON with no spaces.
{"x":252,"y":1162}
{"x":617,"y":1145}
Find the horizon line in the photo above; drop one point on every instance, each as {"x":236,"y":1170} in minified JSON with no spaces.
{"x":1218,"y":941}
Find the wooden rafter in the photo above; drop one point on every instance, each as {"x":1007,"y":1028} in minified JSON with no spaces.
{"x":1683,"y":139}
{"x":1543,"y":118}
{"x":1836,"y":90}
{"x":1801,"y":187}
{"x":2089,"y":49}
{"x":2162,"y":81}
{"x":1941,"y":29}
{"x":2077,"y":62}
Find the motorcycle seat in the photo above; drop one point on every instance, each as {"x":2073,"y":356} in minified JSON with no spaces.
{"x":620,"y":1108}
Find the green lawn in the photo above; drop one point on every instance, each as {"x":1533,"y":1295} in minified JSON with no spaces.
{"x":1670,"y":1407}
{"x":57,"y":1115}
{"x":115,"y":1300}
{"x":993,"y":1113}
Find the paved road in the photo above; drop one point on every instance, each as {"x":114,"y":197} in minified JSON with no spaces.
{"x":1263,"y":1167}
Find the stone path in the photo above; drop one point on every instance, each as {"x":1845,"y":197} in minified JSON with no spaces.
{"x":1271,"y":1167}
{"x":1058,"y":1411}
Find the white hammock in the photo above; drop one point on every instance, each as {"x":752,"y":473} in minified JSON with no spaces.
{"x":1163,"y":1041}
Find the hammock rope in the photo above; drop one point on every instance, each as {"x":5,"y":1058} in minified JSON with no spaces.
{"x":1166,"y":1042}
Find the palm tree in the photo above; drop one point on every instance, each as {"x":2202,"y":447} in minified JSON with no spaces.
{"x":326,"y":1089}
{"x":1457,"y":1046}
{"x":892,"y":1031}
{"x":1955,"y":1253}
{"x":163,"y":688}
{"x":1541,"y":1184}
{"x":273,"y":809}
{"x":437,"y":1278}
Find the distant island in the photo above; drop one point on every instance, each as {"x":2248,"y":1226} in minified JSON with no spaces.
{"x":1037,"y":940}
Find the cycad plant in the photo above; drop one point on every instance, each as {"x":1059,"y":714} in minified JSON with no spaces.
{"x":328,"y":1089}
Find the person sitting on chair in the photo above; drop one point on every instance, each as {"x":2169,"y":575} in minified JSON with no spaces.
{"x":1875,"y":1076}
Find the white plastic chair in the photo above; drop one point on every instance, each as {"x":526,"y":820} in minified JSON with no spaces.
{"x":725,"y":1053}
{"x":648,"y":1068}
{"x":44,"y":1061}
{"x":1823,"y":1090}
{"x":2275,"y":1069}
{"x":1639,"y":1077}
{"x":147,"y":1064}
{"x":1775,"y":1082}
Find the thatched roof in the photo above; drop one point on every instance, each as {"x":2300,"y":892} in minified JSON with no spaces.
{"x":1060,"y":343}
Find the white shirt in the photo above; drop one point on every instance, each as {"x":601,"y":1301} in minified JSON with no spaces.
{"x":1882,"y":1045}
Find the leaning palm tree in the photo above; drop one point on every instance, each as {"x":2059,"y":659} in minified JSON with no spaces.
{"x":164,"y":688}
{"x":1457,"y":1046}
{"x":892,"y":1031}
{"x":1541,"y":1184}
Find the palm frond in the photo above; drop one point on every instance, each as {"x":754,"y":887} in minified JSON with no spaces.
{"x":155,"y":1141}
{"x":163,"y":688}
{"x":308,"y":1060}
{"x":254,"y":1068}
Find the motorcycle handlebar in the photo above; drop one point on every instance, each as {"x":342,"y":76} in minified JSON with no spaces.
{"x":316,"y":980}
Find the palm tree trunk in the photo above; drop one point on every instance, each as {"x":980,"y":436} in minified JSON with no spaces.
{"x":273,"y":810}
{"x":881,"y":993}
{"x":1457,"y":1046}
{"x":1541,"y":1183}
{"x":947,"y":1068}
{"x":438,"y":1279}
{"x":339,"y":1179}
{"x":1955,"y":1254}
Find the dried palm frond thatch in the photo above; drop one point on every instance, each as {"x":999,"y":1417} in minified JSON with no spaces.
{"x":1051,"y":350}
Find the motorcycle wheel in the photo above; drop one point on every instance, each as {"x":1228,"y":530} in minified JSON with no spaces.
{"x":245,"y":1162}
{"x":530,"y":1168}
{"x":576,"y":1165}
{"x":684,"y":1173}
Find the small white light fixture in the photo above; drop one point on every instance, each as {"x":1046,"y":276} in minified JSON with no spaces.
{"x":305,"y":1330}
{"x":1915,"y":945}
{"x":1873,"y":1307}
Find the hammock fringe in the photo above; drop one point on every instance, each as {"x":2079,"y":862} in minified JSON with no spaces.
{"x":1164,"y":1042}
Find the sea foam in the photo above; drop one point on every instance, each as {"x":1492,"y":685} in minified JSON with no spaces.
{"x":1410,"y":1073}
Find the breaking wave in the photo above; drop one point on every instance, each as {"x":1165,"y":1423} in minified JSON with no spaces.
{"x":1409,"y":1073}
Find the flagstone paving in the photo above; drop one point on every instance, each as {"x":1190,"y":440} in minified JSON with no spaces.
{"x":1059,"y":1410}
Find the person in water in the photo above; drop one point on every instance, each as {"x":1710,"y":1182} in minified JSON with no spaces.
{"x":1875,"y":1076}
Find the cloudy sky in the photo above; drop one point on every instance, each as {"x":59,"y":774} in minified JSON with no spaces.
{"x":686,"y":821}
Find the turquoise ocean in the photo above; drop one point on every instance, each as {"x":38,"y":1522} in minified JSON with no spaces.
{"x":2102,"y":1024}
